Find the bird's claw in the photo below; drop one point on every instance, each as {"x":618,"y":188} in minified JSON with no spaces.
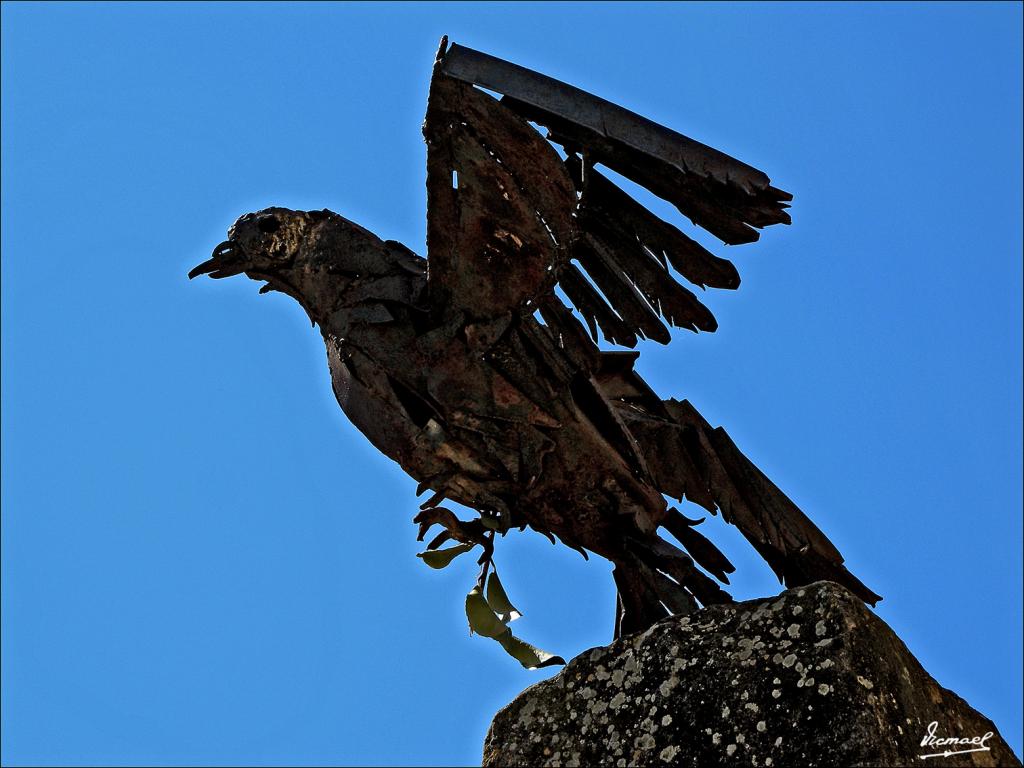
{"x":472,"y":532}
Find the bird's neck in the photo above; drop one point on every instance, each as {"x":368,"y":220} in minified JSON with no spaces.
{"x":318,"y":290}
{"x":333,"y":299}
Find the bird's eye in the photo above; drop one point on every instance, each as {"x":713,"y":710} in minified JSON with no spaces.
{"x":268,"y":224}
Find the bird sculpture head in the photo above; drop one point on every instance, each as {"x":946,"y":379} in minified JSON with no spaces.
{"x":312,"y":256}
{"x":265,"y":244}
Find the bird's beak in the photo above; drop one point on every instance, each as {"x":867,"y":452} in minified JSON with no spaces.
{"x":228,"y":259}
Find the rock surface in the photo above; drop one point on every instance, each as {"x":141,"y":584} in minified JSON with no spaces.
{"x":811,"y":677}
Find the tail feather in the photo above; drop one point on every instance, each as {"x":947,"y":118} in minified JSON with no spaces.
{"x":657,"y":579}
{"x":795,"y":547}
{"x":708,"y":556}
{"x":688,"y":457}
{"x":657,"y":554}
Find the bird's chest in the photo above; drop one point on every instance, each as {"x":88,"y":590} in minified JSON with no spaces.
{"x":436,"y":400}
{"x":460,"y":371}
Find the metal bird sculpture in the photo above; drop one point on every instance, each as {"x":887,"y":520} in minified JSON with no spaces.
{"x":471,"y":370}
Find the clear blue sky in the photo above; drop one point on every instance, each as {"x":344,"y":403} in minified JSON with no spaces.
{"x":203,"y":562}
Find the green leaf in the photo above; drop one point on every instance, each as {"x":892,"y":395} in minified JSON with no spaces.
{"x":482,"y":619}
{"x":529,"y":656}
{"x":439,"y":558}
{"x":499,"y":601}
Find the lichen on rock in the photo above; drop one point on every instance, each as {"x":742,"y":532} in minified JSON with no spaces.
{"x":810,"y":677}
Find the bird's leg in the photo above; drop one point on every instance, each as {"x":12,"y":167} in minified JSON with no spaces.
{"x":488,"y":553}
{"x":485,"y":560}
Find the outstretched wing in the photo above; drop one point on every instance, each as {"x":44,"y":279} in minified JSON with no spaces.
{"x":500,"y":204}
{"x":509,"y":218}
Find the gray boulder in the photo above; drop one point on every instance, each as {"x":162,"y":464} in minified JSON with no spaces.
{"x":810,"y":677}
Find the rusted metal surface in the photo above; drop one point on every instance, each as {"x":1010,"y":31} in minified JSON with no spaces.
{"x":593,"y":113}
{"x":470,"y":371}
{"x":716,"y":191}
